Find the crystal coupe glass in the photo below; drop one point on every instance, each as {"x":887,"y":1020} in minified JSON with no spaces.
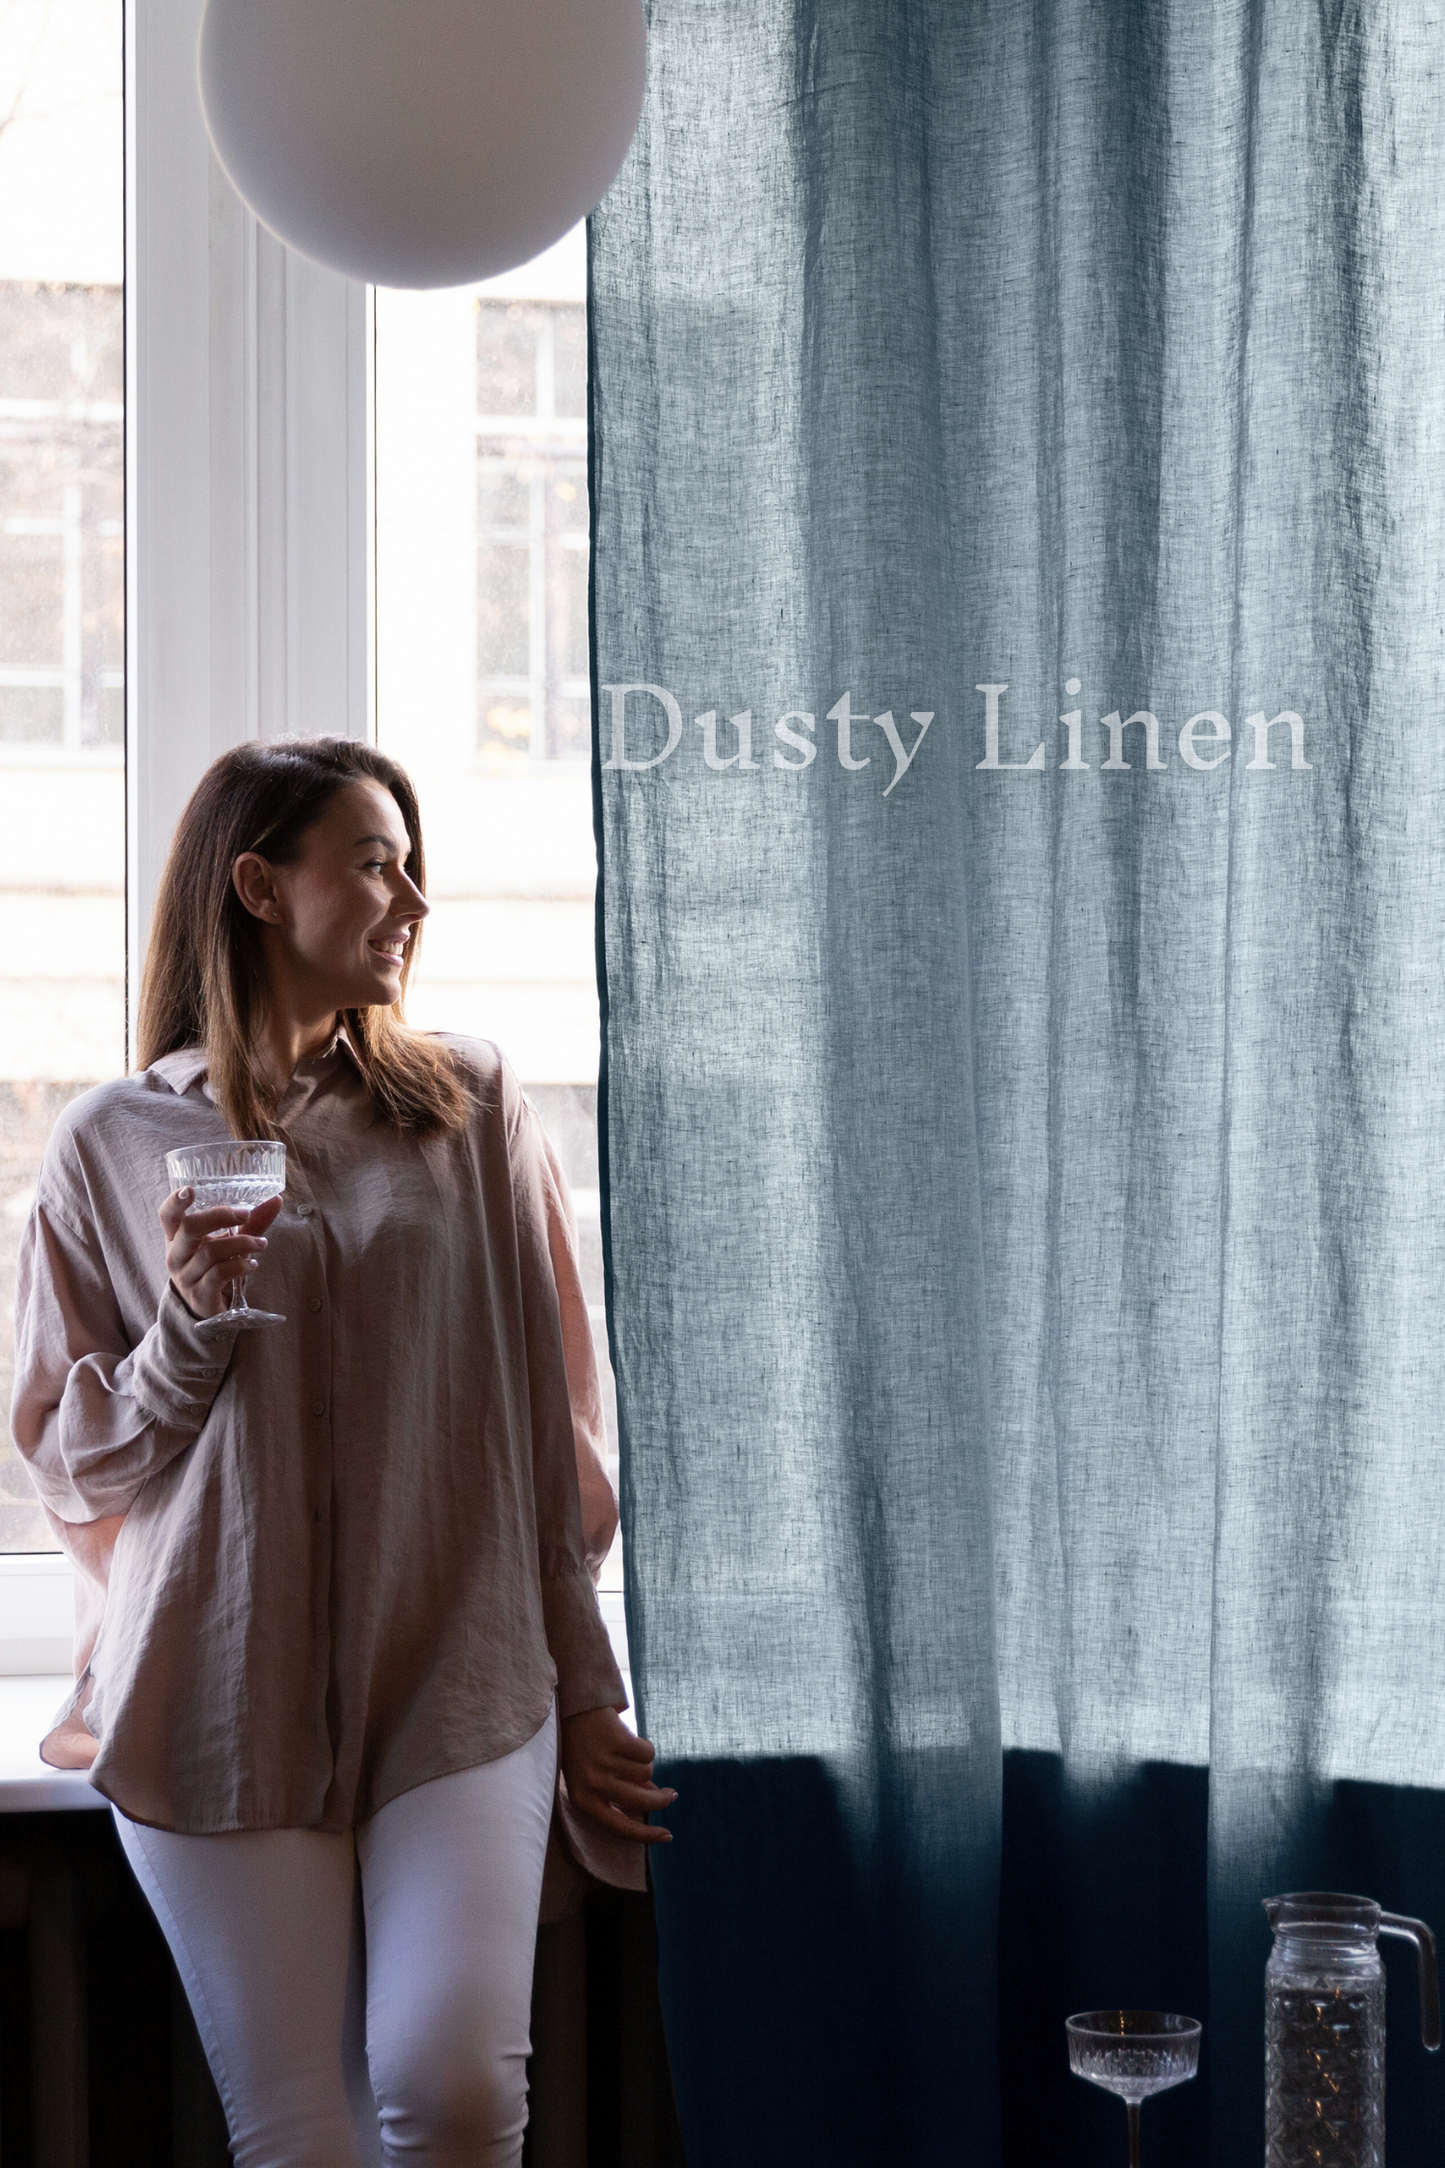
{"x":243,"y":1174}
{"x":1133,"y":2053}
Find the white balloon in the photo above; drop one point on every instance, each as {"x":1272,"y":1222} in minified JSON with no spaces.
{"x":422,"y":142}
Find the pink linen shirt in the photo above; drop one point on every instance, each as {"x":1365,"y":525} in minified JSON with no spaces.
{"x":321,"y":1563}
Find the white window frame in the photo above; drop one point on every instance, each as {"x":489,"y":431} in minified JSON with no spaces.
{"x":248,"y":467}
{"x":249,"y":529}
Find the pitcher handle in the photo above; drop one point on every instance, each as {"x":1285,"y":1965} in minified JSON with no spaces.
{"x":1393,"y":1923}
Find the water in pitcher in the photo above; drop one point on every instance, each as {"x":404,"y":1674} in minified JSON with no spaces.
{"x":1324,"y":2027}
{"x":1324,"y":2049}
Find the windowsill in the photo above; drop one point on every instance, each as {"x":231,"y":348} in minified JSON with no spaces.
{"x":27,"y":1786}
{"x":37,"y":1613}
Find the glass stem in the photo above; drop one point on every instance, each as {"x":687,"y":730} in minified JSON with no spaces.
{"x":238,"y":1292}
{"x":1133,"y":2107}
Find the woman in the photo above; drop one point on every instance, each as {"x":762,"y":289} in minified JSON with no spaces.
{"x":337,"y":1622}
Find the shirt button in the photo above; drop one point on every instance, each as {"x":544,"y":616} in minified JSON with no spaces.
{"x":210,"y":1373}
{"x":304,"y":1211}
{"x":314,"y":1304}
{"x":318,"y":1407}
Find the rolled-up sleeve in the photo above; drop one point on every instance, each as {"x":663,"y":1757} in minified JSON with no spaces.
{"x":566,"y":1410}
{"x":93,"y":1416}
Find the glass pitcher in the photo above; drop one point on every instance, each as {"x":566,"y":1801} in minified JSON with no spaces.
{"x":1324,"y":2028}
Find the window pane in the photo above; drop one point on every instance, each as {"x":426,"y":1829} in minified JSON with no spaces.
{"x":571,"y":361}
{"x":567,"y":609}
{"x":503,"y":610}
{"x":504,"y":494}
{"x":62,"y":626}
{"x":506,"y":359}
{"x":572,"y":727}
{"x":31,"y":715}
{"x":482,"y":681}
{"x":567,"y":496}
{"x":505,"y":738}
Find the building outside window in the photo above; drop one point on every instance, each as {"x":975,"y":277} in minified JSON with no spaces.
{"x":533,"y":692}
{"x":62,"y":538}
{"x":62,"y":626}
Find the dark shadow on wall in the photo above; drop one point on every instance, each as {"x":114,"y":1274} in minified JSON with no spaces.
{"x":819,"y":2023}
{"x":101,"y":2067}
{"x":815,"y":2023}
{"x":818,"y":2017}
{"x":1102,"y":1906}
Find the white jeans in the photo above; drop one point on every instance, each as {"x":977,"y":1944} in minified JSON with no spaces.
{"x":407,"y":2045}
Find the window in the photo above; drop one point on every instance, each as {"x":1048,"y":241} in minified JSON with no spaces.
{"x":482,"y":682}
{"x":62,"y":565}
{"x":258,"y":605}
{"x":62,"y":621}
{"x":533,"y":691}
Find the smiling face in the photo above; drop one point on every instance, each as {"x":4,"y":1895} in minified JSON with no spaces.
{"x":338,"y":920}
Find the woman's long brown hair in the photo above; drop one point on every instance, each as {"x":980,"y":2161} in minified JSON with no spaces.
{"x":204,"y":982}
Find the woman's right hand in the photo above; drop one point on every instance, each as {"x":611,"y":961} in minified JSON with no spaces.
{"x":207,"y":1250}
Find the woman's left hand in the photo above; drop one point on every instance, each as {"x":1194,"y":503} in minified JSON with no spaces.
{"x":609,"y":1775}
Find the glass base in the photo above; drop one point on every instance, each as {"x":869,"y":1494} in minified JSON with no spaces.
{"x":247,"y":1319}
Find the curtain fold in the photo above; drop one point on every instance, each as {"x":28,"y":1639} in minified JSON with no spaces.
{"x":1023,"y":1205}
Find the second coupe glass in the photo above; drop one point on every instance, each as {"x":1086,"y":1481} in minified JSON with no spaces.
{"x":1133,"y":2053}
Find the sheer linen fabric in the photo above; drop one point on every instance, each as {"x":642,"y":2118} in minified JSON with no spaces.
{"x":320,"y":1564}
{"x":1025,"y":1192}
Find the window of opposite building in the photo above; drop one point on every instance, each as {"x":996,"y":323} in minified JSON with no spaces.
{"x":532,"y":678}
{"x":62,"y":563}
{"x":62,"y":608}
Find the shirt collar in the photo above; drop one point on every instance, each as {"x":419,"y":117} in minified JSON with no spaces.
{"x":181,"y":1069}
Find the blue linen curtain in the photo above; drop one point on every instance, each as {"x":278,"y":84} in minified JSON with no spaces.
{"x":1022,"y":1196}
